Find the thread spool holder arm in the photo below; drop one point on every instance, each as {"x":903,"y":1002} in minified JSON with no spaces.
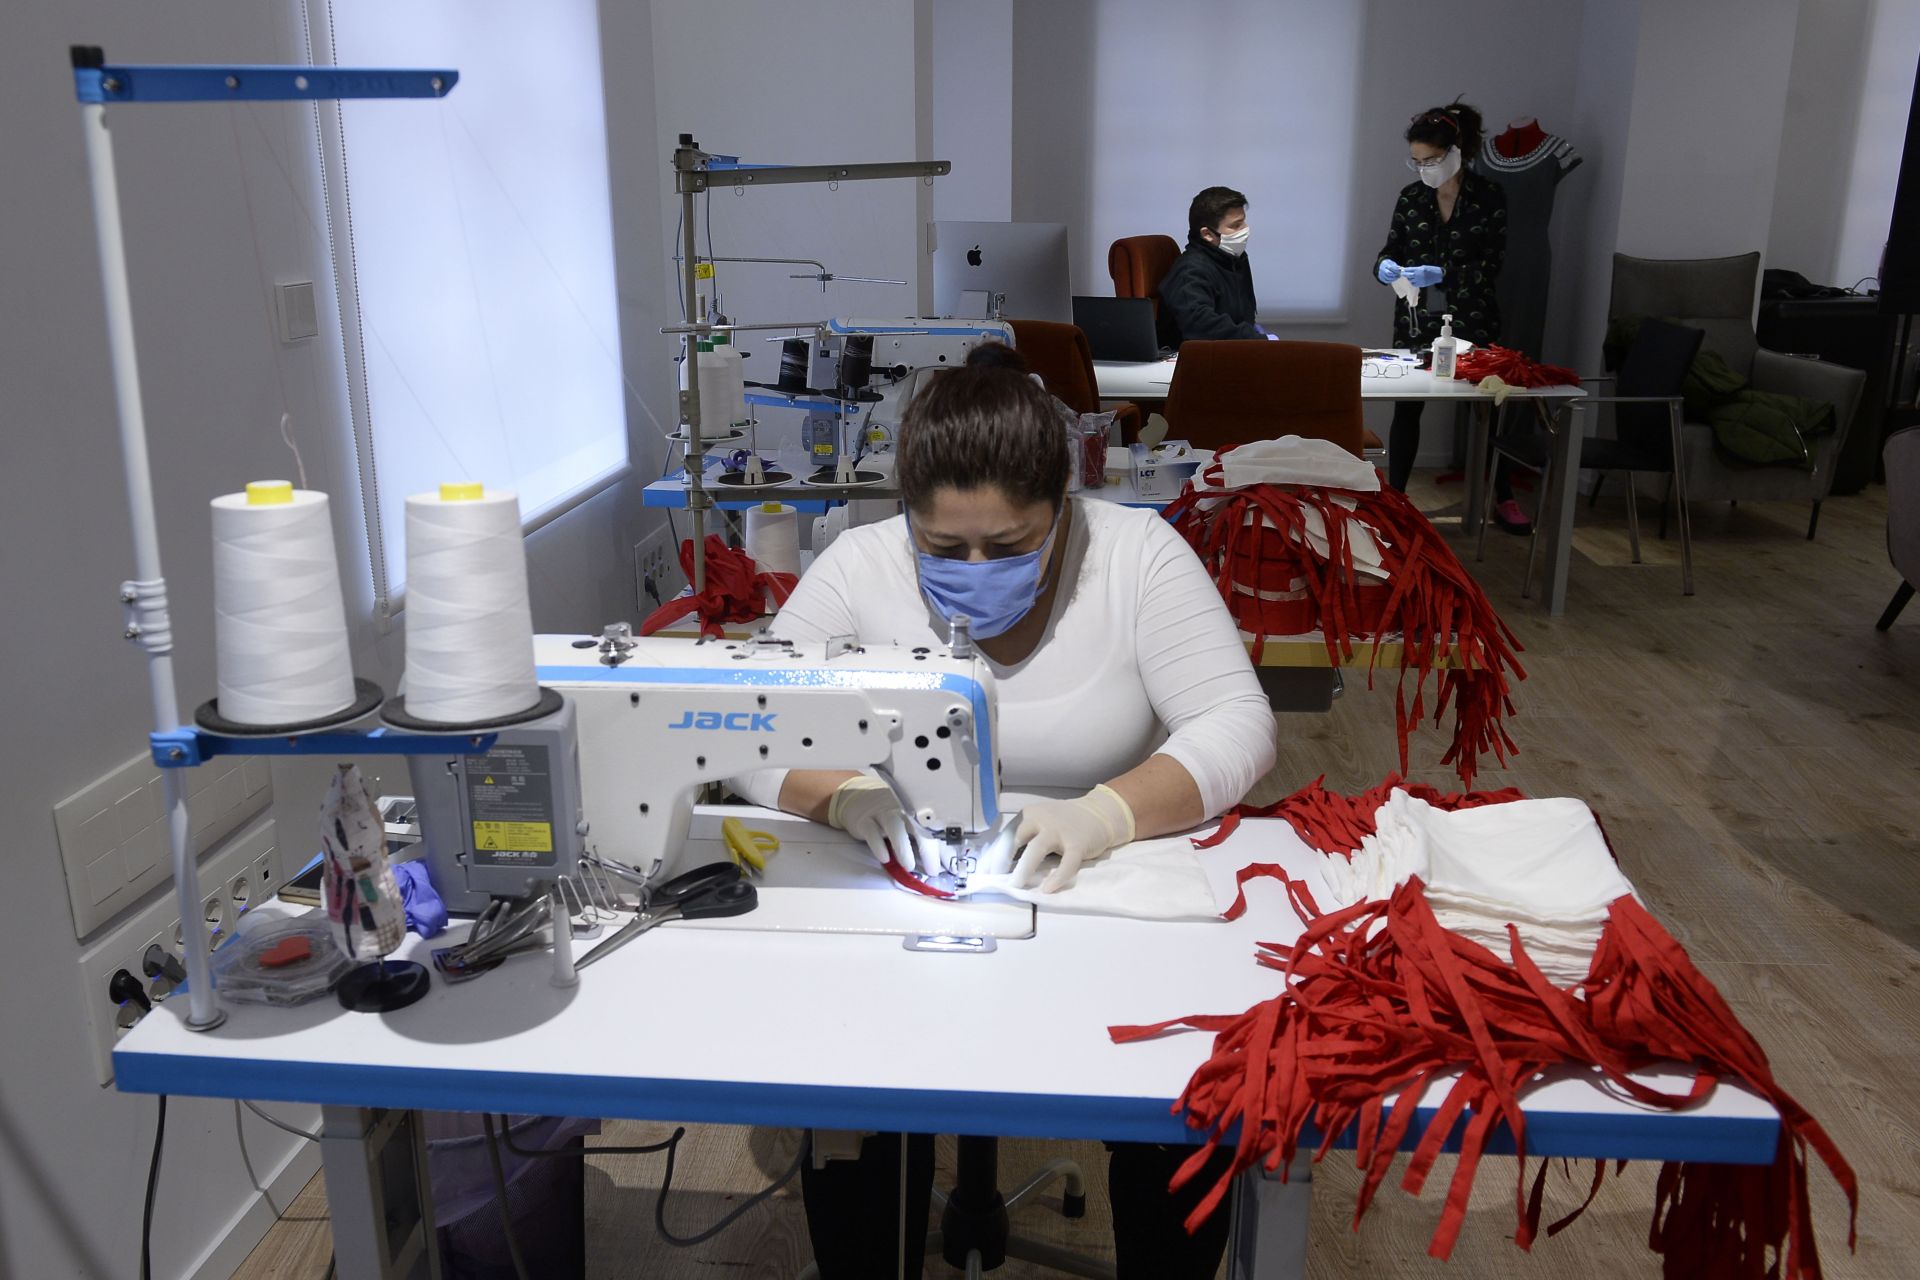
{"x":96,"y":86}
{"x":695,"y":171}
{"x":188,"y":747}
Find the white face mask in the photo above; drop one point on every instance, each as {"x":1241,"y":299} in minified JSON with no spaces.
{"x":1236,"y":243}
{"x":1437,"y":174}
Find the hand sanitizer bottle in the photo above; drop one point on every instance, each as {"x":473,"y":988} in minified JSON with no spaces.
{"x":1445,"y":349}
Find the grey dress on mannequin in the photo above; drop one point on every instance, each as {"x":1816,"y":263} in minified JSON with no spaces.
{"x":1528,"y":164}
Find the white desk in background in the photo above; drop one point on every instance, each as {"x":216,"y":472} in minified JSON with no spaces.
{"x":839,"y":1031}
{"x":1150,"y":380}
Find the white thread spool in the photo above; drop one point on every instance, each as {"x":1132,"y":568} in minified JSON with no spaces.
{"x":279,"y":624}
{"x":723,"y":389}
{"x":469,"y":626}
{"x":773,"y":537}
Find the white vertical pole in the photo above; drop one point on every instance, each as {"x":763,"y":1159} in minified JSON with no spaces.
{"x":696,"y":454}
{"x":563,"y":970}
{"x":146,"y":597}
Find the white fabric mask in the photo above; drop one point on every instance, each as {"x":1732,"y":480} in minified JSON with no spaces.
{"x":1437,"y":175}
{"x":1236,"y":243}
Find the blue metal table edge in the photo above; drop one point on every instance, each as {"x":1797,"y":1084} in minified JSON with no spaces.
{"x":1573,"y":1135}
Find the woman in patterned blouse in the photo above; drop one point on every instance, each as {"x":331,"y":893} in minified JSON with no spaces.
{"x":1448,"y":236}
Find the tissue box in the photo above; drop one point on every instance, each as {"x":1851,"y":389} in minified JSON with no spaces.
{"x":1162,"y":471}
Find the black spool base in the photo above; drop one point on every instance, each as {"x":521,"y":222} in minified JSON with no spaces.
{"x":383,"y":986}
{"x":367,"y":699}
{"x":395,"y":713}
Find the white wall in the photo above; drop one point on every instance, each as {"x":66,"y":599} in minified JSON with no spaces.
{"x":973,"y":109}
{"x":207,"y":189}
{"x":1709,"y":100}
{"x":1823,"y":106}
{"x":1886,"y":96}
{"x":1604,"y":113}
{"x":73,"y":1156}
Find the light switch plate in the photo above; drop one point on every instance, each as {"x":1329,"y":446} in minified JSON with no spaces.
{"x":295,"y":306}
{"x":113,"y":832}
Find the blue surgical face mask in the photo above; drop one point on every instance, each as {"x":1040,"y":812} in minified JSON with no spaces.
{"x":994,"y":594}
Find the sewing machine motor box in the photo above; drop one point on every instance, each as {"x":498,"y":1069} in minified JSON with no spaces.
{"x":644,"y":722}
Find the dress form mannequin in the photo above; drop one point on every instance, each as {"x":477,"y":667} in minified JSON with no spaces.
{"x":1528,"y":163}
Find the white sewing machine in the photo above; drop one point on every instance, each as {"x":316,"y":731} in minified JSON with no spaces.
{"x":643,"y":722}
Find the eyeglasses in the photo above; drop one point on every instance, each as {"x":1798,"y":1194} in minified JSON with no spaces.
{"x":1418,"y":165}
{"x":1382,"y":369}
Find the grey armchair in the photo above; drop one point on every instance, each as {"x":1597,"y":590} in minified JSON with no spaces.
{"x":1717,"y":295}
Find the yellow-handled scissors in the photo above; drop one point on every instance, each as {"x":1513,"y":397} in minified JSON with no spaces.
{"x":748,"y":848}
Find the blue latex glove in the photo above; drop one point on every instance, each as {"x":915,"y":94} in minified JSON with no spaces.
{"x":1422,"y":277}
{"x":426,"y":913}
{"x":1388,"y":271}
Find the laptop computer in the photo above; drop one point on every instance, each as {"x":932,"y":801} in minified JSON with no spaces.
{"x":1118,"y":328}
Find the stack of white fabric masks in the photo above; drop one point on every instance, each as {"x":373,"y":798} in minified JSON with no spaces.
{"x":1541,"y":865}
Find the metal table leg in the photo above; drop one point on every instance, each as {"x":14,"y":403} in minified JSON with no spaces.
{"x":1479,"y":433}
{"x":1564,"y":426}
{"x":379,"y":1194}
{"x":1268,"y":1236}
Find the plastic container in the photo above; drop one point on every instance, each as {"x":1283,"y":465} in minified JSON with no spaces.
{"x":1446,"y":350}
{"x":262,"y":966}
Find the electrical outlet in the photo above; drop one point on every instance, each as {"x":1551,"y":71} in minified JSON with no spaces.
{"x":655,"y":557}
{"x":243,"y":873}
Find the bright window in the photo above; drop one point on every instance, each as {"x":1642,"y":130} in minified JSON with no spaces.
{"x":479,"y":235}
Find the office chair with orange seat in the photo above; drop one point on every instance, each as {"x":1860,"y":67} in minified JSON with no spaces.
{"x":1060,"y":355}
{"x":1227,"y":393}
{"x":1139,"y":263}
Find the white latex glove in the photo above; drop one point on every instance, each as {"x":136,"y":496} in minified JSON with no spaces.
{"x":1080,"y":830}
{"x":866,"y":808}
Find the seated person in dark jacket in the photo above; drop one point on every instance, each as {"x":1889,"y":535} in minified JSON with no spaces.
{"x":1208,"y":292}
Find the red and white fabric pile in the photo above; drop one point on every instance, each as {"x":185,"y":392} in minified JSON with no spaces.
{"x":1500,"y":370}
{"x":1300,"y":535}
{"x":1510,"y":945}
{"x":736,"y":591}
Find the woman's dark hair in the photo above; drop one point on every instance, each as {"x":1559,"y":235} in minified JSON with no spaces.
{"x":1454,"y":125}
{"x":1209,"y":207}
{"x":984,"y":425}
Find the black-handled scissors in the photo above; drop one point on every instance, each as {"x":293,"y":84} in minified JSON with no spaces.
{"x":704,"y":893}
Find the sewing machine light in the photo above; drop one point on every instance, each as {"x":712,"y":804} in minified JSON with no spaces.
{"x":966,"y":854}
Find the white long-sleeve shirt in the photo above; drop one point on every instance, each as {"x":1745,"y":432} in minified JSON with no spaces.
{"x":1140,"y":657}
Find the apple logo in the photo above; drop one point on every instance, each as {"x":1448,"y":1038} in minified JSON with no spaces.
{"x":973,"y":256}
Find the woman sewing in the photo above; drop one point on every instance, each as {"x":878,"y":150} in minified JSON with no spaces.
{"x":1127,"y":709}
{"x":1447,"y":238}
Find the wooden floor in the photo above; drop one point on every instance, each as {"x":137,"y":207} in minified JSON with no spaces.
{"x":1755,"y":753}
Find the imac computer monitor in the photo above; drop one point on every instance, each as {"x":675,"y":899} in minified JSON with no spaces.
{"x":1021,"y":264}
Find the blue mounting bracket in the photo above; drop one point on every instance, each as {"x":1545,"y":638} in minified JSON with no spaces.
{"x":94,"y":81}
{"x":187,"y":747}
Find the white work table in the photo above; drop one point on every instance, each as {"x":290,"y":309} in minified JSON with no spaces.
{"x":1151,"y":380}
{"x":847,"y":1032}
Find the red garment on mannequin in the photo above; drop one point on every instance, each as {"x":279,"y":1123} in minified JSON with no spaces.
{"x":1516,"y":140}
